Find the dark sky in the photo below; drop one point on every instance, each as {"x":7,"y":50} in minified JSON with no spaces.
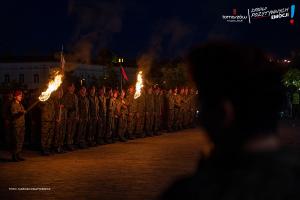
{"x":131,"y":28}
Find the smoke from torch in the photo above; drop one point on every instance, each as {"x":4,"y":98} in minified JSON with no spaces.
{"x":139,"y":85}
{"x":52,"y":86}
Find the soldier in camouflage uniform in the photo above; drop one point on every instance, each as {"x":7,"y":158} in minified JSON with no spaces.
{"x":157,"y":111}
{"x":47,"y":125}
{"x":181,"y":109}
{"x":188,"y":108}
{"x":149,"y":112}
{"x":101,"y":128}
{"x":193,"y":106}
{"x":71,"y":104}
{"x":164,"y":110}
{"x":177,"y":110}
{"x":140,"y":115}
{"x":170,"y":110}
{"x":185,"y":107}
{"x":132,"y":110}
{"x":112,"y":117}
{"x":92,"y":136}
{"x":60,"y":121}
{"x":83,"y":112}
{"x":17,"y":112}
{"x":122,"y":113}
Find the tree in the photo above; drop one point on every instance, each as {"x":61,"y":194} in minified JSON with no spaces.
{"x":291,"y":79}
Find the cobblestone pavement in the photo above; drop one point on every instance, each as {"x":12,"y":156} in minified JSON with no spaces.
{"x":140,"y":169}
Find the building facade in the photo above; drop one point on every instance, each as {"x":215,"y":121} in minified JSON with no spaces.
{"x":35,"y":75}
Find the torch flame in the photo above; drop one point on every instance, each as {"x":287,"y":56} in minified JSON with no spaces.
{"x":52,"y":86}
{"x":139,"y":85}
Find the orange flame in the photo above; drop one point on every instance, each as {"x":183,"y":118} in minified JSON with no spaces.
{"x":139,"y":85}
{"x":52,"y":86}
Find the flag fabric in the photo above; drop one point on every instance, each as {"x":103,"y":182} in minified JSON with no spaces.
{"x":124,"y":73}
{"x":62,"y":62}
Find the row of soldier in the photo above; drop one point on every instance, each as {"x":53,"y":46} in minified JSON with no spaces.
{"x":92,"y":116}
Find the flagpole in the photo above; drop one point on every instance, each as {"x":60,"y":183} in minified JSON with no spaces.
{"x":121,"y":76}
{"x":120,"y":60}
{"x":61,"y":58}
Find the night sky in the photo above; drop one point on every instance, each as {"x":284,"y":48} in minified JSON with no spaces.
{"x":131,"y":28}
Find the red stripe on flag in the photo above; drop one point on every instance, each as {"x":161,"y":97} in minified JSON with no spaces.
{"x":124,"y":74}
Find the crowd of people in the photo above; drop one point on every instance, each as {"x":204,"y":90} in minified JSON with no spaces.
{"x":77,"y":119}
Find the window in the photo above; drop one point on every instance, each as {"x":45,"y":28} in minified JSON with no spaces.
{"x":6,"y":78}
{"x":21,"y":78}
{"x":36,"y":78}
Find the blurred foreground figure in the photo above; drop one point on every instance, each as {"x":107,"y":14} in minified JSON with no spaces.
{"x":241,"y":97}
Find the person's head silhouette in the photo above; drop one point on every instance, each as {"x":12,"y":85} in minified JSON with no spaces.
{"x":240,"y":92}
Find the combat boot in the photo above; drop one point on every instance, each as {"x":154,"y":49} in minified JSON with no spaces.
{"x":123,"y":139}
{"x":100,"y":142}
{"x":15,"y":158}
{"x":45,"y":152}
{"x":19,"y":157}
{"x":70,"y":148}
{"x":131,"y":137}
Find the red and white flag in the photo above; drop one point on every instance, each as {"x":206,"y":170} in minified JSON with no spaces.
{"x":124,"y":73}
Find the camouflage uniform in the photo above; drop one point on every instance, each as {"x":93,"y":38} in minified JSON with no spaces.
{"x":157,"y":112}
{"x":185,"y":110}
{"x":163,"y":116}
{"x":47,"y":124}
{"x":193,"y":105}
{"x":132,"y":110}
{"x":111,"y":119}
{"x":182,"y":109}
{"x":122,"y":113}
{"x":18,"y":127}
{"x":71,"y":104}
{"x":189,"y":109}
{"x":101,"y":128}
{"x":170,"y":111}
{"x":60,"y":124}
{"x":83,"y":112}
{"x":177,"y":111}
{"x":140,"y":116}
{"x":93,"y":137}
{"x":149,"y":114}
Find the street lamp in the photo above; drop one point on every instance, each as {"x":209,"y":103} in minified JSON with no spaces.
{"x":81,"y":81}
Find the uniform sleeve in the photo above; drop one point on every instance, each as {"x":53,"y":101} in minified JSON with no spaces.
{"x":76,"y":106}
{"x":14,"y":110}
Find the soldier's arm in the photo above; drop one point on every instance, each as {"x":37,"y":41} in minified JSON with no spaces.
{"x":177,"y":102}
{"x":76,"y":107}
{"x":118,"y":108}
{"x":16,"y":113}
{"x":66,"y":103}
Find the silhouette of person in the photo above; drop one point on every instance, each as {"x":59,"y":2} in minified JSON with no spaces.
{"x":241,"y":96}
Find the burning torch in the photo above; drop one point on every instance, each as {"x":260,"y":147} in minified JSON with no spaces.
{"x":52,"y":86}
{"x":139,"y":85}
